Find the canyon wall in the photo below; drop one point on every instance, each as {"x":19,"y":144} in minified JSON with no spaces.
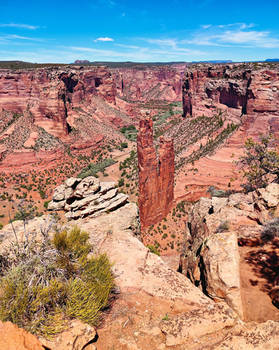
{"x":50,"y":94}
{"x":240,"y":89}
{"x":156,"y":175}
{"x":149,"y":83}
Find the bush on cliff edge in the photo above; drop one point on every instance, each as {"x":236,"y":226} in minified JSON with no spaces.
{"x":260,"y":163}
{"x":45,"y":285}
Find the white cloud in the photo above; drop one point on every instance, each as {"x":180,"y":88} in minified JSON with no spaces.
{"x":239,"y":25}
{"x":104,"y":39}
{"x":162,"y":42}
{"x":233,"y":35}
{"x":11,"y":37}
{"x":137,"y":53}
{"x":19,"y":25}
{"x":125,"y":46}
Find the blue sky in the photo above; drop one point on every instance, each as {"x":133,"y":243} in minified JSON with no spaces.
{"x":142,"y":31}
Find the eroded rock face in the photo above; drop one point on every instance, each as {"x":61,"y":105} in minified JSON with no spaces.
{"x":51,"y":94}
{"x":155,"y":307}
{"x":14,"y":338}
{"x":243,"y":94}
{"x":149,"y":84}
{"x":86,"y":197}
{"x":242,"y":87}
{"x":217,"y":227}
{"x":220,"y":259}
{"x":156,"y":175}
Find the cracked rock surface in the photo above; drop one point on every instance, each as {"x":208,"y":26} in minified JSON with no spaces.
{"x":86,"y":197}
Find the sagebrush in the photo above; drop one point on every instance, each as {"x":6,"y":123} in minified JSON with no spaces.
{"x":46,"y":284}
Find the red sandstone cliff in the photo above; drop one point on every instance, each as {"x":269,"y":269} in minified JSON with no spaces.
{"x":50,"y":94}
{"x":149,"y":84}
{"x":248,"y":96}
{"x":244,"y":88}
{"x":156,"y":175}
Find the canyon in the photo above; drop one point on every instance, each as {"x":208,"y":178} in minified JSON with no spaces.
{"x":246,"y":97}
{"x":194,"y":254}
{"x":45,"y":110}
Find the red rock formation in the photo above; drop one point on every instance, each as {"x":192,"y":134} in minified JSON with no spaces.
{"x":246,"y":88}
{"x":14,"y":338}
{"x":248,"y":96}
{"x":156,"y":175}
{"x":49,"y":94}
{"x":149,"y":83}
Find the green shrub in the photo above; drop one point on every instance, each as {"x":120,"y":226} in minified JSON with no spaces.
{"x":1,"y":225}
{"x":46,"y":203}
{"x":260,"y":163}
{"x":44,"y":285}
{"x":153,"y":249}
{"x":120,"y":182}
{"x":270,"y":230}
{"x":224,"y":226}
{"x":93,"y":168}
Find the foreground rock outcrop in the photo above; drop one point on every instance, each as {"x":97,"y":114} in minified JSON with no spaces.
{"x":155,"y":307}
{"x":231,"y":251}
{"x":78,"y":336}
{"x":14,"y":338}
{"x":156,"y":175}
{"x":86,"y":197}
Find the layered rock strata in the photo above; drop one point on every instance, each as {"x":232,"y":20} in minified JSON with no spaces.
{"x":149,"y":84}
{"x":156,"y":175}
{"x":50,"y":94}
{"x":246,"y":95}
{"x":86,"y":197}
{"x":247,"y":88}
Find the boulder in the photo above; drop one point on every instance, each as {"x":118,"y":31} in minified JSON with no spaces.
{"x":87,"y":186}
{"x":59,"y":193}
{"x":220,"y":269}
{"x":14,"y":338}
{"x":72,"y":181}
{"x":270,"y":194}
{"x":53,"y":205}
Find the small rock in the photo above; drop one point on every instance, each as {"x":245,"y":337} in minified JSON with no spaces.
{"x":56,"y":205}
{"x":59,"y":193}
{"x":87,"y":186}
{"x":72,"y":181}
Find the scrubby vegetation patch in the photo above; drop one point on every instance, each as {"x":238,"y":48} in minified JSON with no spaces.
{"x":44,"y":285}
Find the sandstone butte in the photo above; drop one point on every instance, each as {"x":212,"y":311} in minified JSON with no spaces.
{"x":156,"y":175}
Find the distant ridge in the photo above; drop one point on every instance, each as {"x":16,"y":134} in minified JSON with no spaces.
{"x":213,"y":61}
{"x":26,"y":65}
{"x":272,"y":60}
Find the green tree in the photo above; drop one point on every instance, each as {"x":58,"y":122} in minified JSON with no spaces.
{"x":260,"y":163}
